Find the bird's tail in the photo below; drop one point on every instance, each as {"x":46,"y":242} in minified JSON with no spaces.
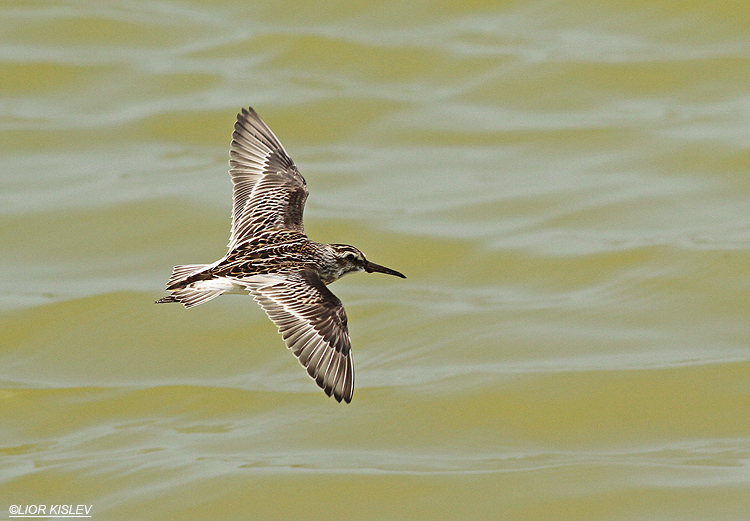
{"x":194,"y":292}
{"x":180,"y":273}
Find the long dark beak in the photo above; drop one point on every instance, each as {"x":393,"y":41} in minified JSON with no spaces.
{"x":371,"y":266}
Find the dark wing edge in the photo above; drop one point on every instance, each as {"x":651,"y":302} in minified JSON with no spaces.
{"x":313,"y":323}
{"x":261,"y":170}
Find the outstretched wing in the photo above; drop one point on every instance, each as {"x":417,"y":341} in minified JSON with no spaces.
{"x":312,"y":321}
{"x":269,"y":191}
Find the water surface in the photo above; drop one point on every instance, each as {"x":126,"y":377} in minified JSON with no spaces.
{"x":565,"y":184}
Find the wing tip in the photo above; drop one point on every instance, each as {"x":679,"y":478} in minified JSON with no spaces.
{"x":339,"y":380}
{"x":244,"y":113}
{"x":250,"y":116}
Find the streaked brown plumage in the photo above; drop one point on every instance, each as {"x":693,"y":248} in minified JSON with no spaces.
{"x":270,"y":257}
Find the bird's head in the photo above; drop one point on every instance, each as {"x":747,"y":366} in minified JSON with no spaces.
{"x":350,"y":259}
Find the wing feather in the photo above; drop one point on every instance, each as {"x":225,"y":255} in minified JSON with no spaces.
{"x":313,"y":323}
{"x":269,"y":192}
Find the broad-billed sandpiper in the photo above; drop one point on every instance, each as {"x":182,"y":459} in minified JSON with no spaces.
{"x":271,"y":258}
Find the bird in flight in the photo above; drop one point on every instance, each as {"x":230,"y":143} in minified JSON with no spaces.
{"x":270,"y":257}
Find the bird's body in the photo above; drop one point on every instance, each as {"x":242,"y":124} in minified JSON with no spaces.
{"x":271,"y":258}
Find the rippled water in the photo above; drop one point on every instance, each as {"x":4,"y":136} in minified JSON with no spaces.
{"x":565,"y":184}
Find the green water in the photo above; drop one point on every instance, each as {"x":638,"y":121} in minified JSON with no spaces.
{"x":565,"y":184}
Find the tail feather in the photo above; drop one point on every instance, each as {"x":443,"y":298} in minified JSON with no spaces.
{"x":182,"y":272}
{"x":196,"y":291}
{"x":194,"y":294}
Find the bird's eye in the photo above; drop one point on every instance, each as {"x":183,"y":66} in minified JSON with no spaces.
{"x":350,"y":257}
